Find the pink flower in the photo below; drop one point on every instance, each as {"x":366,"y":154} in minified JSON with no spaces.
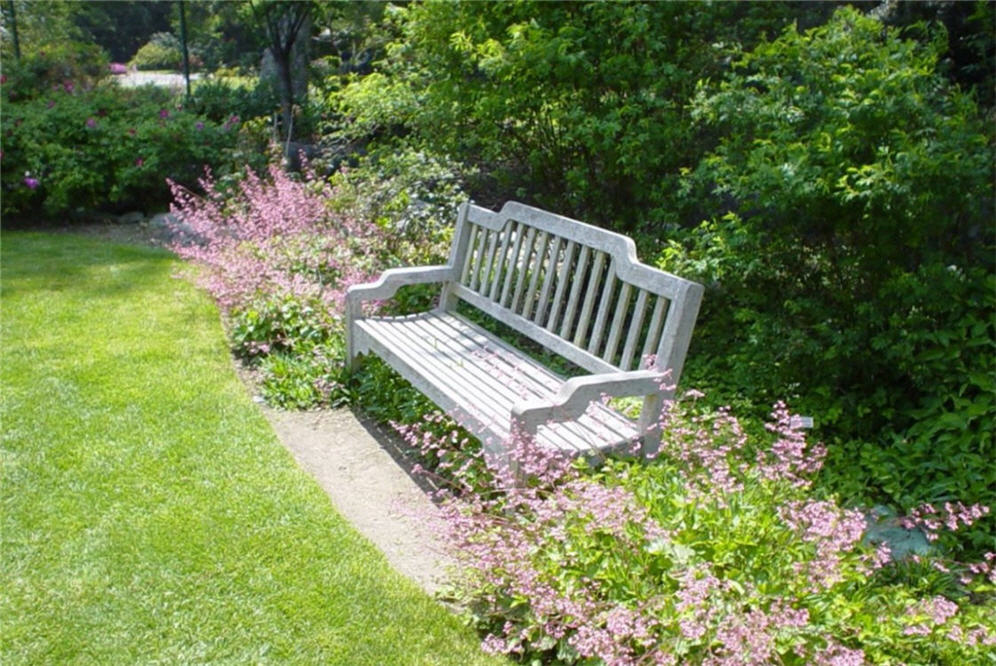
{"x":163,"y":113}
{"x":91,"y":122}
{"x":117,"y":68}
{"x":68,"y":86}
{"x":139,"y":162}
{"x":31,"y":183}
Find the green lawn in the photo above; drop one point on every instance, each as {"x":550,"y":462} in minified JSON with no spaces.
{"x":148,"y":513}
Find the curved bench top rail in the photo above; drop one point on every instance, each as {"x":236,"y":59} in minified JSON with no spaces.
{"x":622,"y":249}
{"x":575,"y":288}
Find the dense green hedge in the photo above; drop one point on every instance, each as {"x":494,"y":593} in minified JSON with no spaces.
{"x":73,"y":141}
{"x":851,"y":252}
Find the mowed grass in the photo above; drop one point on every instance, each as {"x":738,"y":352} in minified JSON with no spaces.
{"x":148,"y":513}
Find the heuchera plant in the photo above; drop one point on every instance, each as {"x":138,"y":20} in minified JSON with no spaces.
{"x":278,"y":261}
{"x":714,"y":553}
{"x":271,"y":235}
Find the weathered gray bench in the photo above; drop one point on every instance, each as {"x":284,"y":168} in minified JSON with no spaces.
{"x":575,"y":289}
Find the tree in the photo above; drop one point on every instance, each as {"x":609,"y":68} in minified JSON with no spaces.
{"x":576,"y":106}
{"x":283,"y":22}
{"x":121,"y":28}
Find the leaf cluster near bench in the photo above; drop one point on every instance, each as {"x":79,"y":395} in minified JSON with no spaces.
{"x":573,"y":288}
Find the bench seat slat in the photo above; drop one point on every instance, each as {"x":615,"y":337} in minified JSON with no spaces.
{"x":511,"y":376}
{"x":540,"y":382}
{"x":520,"y":378}
{"x":481,"y":377}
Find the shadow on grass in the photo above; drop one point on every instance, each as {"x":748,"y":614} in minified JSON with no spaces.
{"x":105,"y":268}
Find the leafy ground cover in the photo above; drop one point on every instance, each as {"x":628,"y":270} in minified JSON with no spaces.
{"x":148,"y":513}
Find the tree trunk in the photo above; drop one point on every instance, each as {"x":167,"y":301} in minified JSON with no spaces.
{"x":283,"y":62}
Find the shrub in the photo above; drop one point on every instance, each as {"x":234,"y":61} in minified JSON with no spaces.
{"x":579,"y":107}
{"x":102,"y":148}
{"x":851,"y":256}
{"x":68,"y":66}
{"x":219,"y":100}
{"x":715,"y":553}
{"x":162,"y":51}
{"x":412,"y":195}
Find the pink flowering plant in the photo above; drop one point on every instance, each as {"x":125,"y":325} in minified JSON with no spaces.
{"x":278,"y":260}
{"x":716,"y":552}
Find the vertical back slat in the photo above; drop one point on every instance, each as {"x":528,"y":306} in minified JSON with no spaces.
{"x":500,"y":261}
{"x":572,"y":301}
{"x":522,"y":267}
{"x":510,"y":265}
{"x":581,"y":332}
{"x":479,"y":247}
{"x":635,"y":328}
{"x":539,"y":318}
{"x":535,"y":268}
{"x":562,"y":280}
{"x":486,"y":269}
{"x":654,"y":332}
{"x":604,"y":303}
{"x":468,"y":261}
{"x":615,"y":333}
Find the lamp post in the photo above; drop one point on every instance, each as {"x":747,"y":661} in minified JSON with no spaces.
{"x":183,"y":41}
{"x":13,"y":29}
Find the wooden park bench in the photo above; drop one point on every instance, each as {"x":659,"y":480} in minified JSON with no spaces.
{"x":576,"y":290}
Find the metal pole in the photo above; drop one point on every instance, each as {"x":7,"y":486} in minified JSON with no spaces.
{"x":183,"y":40}
{"x":13,"y":29}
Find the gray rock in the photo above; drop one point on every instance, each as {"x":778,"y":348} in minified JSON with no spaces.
{"x":133,"y":217}
{"x":171,"y":225}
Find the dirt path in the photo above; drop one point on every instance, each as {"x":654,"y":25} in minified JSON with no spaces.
{"x":360,"y":467}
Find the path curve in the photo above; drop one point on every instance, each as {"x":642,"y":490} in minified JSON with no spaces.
{"x":360,"y":466}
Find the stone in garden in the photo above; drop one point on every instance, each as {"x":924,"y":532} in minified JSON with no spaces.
{"x":133,"y":217}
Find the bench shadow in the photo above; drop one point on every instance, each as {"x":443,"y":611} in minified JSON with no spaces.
{"x":400,"y":453}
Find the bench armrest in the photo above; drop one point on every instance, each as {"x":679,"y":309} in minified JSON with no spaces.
{"x":390,"y":281}
{"x":577,"y":393}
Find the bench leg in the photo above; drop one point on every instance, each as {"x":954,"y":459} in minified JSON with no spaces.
{"x":352,"y":361}
{"x":650,"y":430}
{"x":352,"y":356}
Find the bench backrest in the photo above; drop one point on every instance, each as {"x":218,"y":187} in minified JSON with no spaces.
{"x":576,"y":289}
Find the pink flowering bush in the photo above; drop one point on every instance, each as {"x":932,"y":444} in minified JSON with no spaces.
{"x":714,"y":553}
{"x":278,"y":260}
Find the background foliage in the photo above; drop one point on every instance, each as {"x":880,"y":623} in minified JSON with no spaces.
{"x":72,"y":146}
{"x":850,"y":250}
